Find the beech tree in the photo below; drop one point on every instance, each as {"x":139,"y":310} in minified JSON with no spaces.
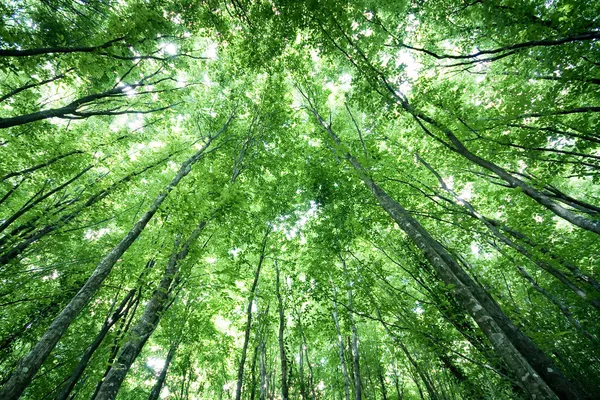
{"x":299,"y":200}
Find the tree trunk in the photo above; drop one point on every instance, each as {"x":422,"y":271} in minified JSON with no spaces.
{"x":381,"y":381}
{"x":561,"y":306}
{"x":334,"y":314}
{"x":148,"y":321}
{"x":284,"y":368}
{"x":156,"y":389}
{"x":509,"y":343}
{"x":301,"y":373}
{"x":253,"y":372}
{"x":240,"y":374}
{"x":458,"y":147}
{"x":263,"y":370}
{"x":305,"y":349}
{"x":120,"y":334}
{"x":121,"y":310}
{"x":354,"y":345}
{"x":8,"y":221}
{"x":31,"y":363}
{"x":492,"y":227}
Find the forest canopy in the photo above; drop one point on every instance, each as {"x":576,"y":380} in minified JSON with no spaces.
{"x":299,"y":199}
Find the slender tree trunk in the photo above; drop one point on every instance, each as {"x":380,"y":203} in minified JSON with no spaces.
{"x":382,"y":381}
{"x":301,"y":373}
{"x":156,"y":389}
{"x":399,"y":391}
{"x":121,"y":310}
{"x":253,"y":372}
{"x":531,"y":243}
{"x":561,"y":306}
{"x":33,"y":361}
{"x":8,"y":221}
{"x":148,"y":321}
{"x":38,"y":166}
{"x":354,"y":344}
{"x":423,"y":377}
{"x":284,"y":368}
{"x":263,"y":370}
{"x":503,"y":335}
{"x":305,"y":349}
{"x":121,"y":332}
{"x":334,"y":314}
{"x":240,"y":374}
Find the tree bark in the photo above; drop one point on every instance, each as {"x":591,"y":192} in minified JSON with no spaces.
{"x":156,"y":389}
{"x":458,"y":147}
{"x":305,"y":349}
{"x":148,"y":321}
{"x":561,"y":306}
{"x":121,"y":310}
{"x":240,"y":374}
{"x":263,"y":370}
{"x":8,"y":221}
{"x":470,"y":210}
{"x":18,"y":248}
{"x":354,"y":346}
{"x":282,"y":355}
{"x":334,"y":314}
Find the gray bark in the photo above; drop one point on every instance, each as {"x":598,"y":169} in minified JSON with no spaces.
{"x":147,"y":323}
{"x":156,"y":389}
{"x":334,"y":314}
{"x":121,"y":310}
{"x":354,"y":346}
{"x":538,"y":196}
{"x":240,"y":374}
{"x":496,"y":232}
{"x":16,"y":249}
{"x":284,"y":369}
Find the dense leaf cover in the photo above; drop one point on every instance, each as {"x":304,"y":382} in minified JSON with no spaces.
{"x":299,"y":199}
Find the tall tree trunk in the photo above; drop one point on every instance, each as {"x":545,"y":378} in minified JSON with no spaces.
{"x":121,"y":310}
{"x":116,"y":346}
{"x":381,"y":380}
{"x":31,"y":363}
{"x":253,"y":372}
{"x":149,"y":319}
{"x":561,"y":306}
{"x":263,"y":369}
{"x":301,"y":373}
{"x":33,"y":202}
{"x":240,"y":373}
{"x":399,"y":390}
{"x":423,"y":377}
{"x":284,"y":368}
{"x":354,"y":344}
{"x":305,"y":349}
{"x":517,"y":351}
{"x":334,"y":314}
{"x":156,"y":389}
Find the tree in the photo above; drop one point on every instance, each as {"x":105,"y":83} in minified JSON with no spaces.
{"x":411,"y":186}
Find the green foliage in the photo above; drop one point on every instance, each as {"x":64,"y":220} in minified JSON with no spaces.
{"x":142,"y":85}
